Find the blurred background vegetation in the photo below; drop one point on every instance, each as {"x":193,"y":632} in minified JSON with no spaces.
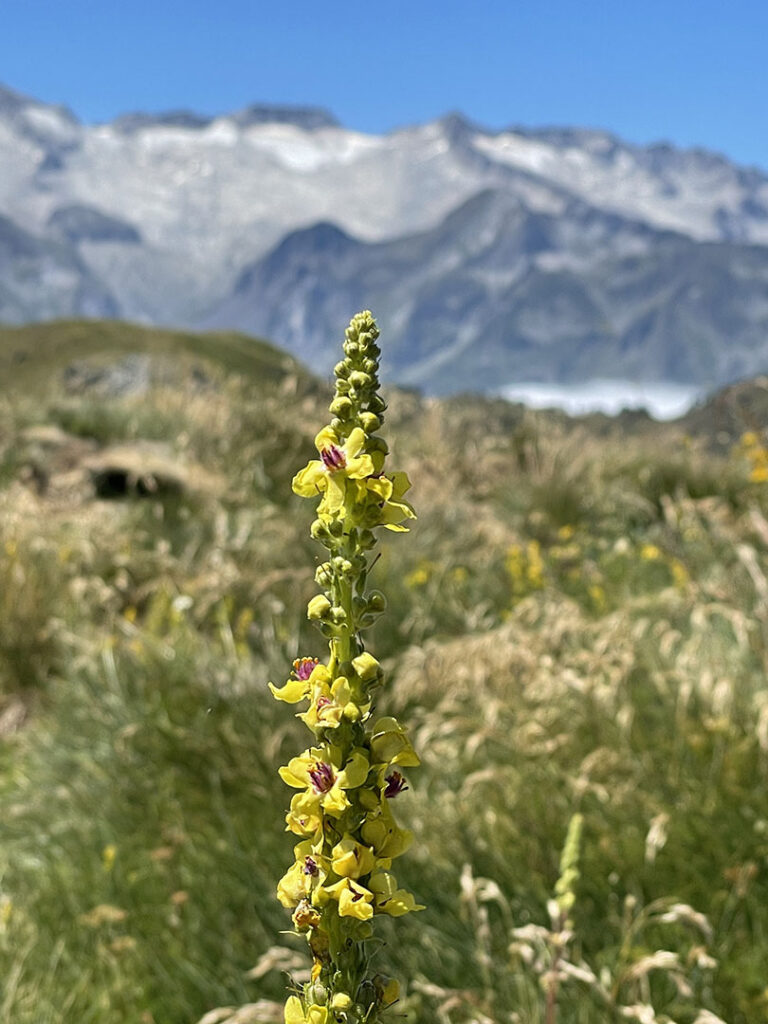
{"x":578,"y":622}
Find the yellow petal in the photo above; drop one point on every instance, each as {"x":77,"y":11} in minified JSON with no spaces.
{"x":294,"y":1012}
{"x":390,"y":745}
{"x":335,"y":490}
{"x":292,"y":887}
{"x":317,"y":1014}
{"x":326,"y":438}
{"x":359,"y":468}
{"x":389,"y":899}
{"x":295,"y":773}
{"x":355,"y":772}
{"x":310,"y":481}
{"x":380,"y":486}
{"x":304,"y":817}
{"x":335,"y":801}
{"x":354,"y":899}
{"x":293,"y":691}
{"x":351,"y":859}
{"x":354,"y":444}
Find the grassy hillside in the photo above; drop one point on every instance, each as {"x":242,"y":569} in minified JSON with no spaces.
{"x":578,"y":622}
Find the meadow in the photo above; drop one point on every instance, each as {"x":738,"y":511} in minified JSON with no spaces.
{"x":577,"y":624}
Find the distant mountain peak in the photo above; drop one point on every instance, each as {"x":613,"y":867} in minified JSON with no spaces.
{"x":308,"y":118}
{"x":138,"y":120}
{"x":13,"y":103}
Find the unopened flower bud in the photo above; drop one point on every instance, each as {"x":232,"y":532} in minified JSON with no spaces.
{"x":338,"y":615}
{"x":358,"y":379}
{"x":318,"y":993}
{"x":341,"y":369}
{"x":366,"y":666}
{"x":323,"y":575}
{"x":319,"y":607}
{"x":376,"y":601}
{"x":341,"y":406}
{"x":369,"y":421}
{"x":341,"y":1001}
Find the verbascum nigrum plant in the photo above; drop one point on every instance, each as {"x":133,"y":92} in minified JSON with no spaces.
{"x":350,"y":776}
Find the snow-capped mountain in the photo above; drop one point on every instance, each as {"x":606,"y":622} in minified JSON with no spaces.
{"x":477,"y":249}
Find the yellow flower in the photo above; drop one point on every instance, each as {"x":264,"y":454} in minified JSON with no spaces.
{"x":392,"y":508}
{"x":331,"y":703}
{"x":354,"y":899}
{"x":650,"y":553}
{"x":108,"y":855}
{"x":304,"y":817}
{"x":325,"y":778}
{"x":338,"y":463}
{"x":351,"y":859}
{"x":382,"y":832}
{"x":390,"y":745}
{"x":308,"y":673}
{"x":295,"y":1013}
{"x":388,"y":898}
{"x":304,"y":876}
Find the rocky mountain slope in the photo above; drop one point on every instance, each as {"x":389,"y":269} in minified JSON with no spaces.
{"x":551,"y":254}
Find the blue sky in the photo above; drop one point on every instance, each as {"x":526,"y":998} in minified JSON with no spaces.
{"x":694,"y":73}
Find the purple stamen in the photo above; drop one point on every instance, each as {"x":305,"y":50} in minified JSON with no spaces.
{"x":333,"y":458}
{"x":310,"y":867}
{"x":322,"y":777}
{"x":303,"y":667}
{"x":395,"y":784}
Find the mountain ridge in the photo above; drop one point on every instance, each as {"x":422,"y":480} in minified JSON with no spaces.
{"x":179,"y":219}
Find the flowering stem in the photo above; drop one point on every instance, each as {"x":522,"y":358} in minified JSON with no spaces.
{"x":341,"y":878}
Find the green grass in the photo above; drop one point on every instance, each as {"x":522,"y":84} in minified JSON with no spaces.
{"x":578,"y":621}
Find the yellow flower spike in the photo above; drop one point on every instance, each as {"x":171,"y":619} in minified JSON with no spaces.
{"x":388,"y":898}
{"x":351,"y":859}
{"x":390,"y":745}
{"x":347,"y":780}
